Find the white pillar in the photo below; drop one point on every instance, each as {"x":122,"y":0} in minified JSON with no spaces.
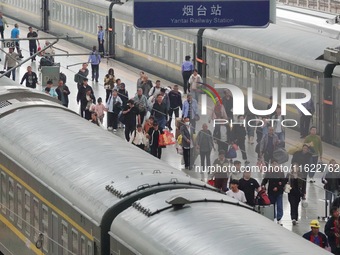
{"x":272,"y":11}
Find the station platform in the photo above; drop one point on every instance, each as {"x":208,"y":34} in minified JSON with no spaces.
{"x":129,"y":76}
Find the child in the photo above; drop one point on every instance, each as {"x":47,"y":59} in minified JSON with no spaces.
{"x":99,"y":109}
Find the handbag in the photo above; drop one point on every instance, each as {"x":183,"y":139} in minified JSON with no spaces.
{"x":280,"y":155}
{"x":231,"y":153}
{"x":287,"y":188}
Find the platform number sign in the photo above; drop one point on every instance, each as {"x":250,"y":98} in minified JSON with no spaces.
{"x":8,"y":44}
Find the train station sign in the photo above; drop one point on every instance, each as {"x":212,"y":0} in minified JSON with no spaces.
{"x":200,"y":14}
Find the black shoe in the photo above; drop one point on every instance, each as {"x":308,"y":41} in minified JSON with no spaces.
{"x":92,"y":79}
{"x":21,"y":56}
{"x":170,"y":128}
{"x":96,"y":80}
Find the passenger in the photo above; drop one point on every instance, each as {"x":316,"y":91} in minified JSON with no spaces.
{"x":123,"y":94}
{"x":130,"y":112}
{"x":94,"y":59}
{"x":15,"y":35}
{"x":2,"y":25}
{"x":94,"y":119}
{"x":187,"y":132}
{"x":249,"y":185}
{"x":187,"y":69}
{"x":118,"y":83}
{"x":268,"y":144}
{"x":142,"y":104}
{"x":63,"y":92}
{"x":250,"y":126}
{"x":236,"y":173}
{"x":49,"y":53}
{"x":175,"y":99}
{"x":276,"y":182}
{"x":31,"y":78}
{"x":155,"y":90}
{"x":140,"y":80}
{"x":47,"y":90}
{"x":190,"y":110}
{"x":101,"y":36}
{"x":278,"y":128}
{"x":99,"y":109}
{"x":154,"y":134}
{"x":221,"y":175}
{"x":331,"y":179}
{"x":205,"y":144}
{"x":90,"y":101}
{"x":239,"y":136}
{"x":81,"y":75}
{"x":227,"y":102}
{"x":194,"y":82}
{"x":296,"y":193}
{"x":332,"y":231}
{"x":10,"y":62}
{"x":109,"y":82}
{"x":220,"y":136}
{"x":316,"y":146}
{"x":146,"y":86}
{"x":113,"y":107}
{"x":148,"y":124}
{"x":52,"y":91}
{"x":138,"y":137}
{"x":305,"y":119}
{"x":235,"y":192}
{"x":270,"y":103}
{"x":303,"y":159}
{"x":315,"y":236}
{"x":159,"y":112}
{"x":32,"y":43}
{"x":81,"y":96}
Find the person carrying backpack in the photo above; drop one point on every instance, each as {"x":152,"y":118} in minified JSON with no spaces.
{"x":138,"y":137}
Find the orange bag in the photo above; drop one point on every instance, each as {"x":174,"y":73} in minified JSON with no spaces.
{"x":166,"y":139}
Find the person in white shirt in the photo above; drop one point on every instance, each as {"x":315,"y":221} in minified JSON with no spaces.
{"x":154,"y":91}
{"x":194,"y":81}
{"x":235,"y":193}
{"x":138,"y":137}
{"x":278,"y":128}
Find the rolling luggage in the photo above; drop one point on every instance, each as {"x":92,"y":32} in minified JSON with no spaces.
{"x":323,"y":209}
{"x":265,"y":210}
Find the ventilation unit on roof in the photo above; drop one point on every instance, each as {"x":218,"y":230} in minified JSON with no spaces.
{"x":332,"y":55}
{"x":4,"y":104}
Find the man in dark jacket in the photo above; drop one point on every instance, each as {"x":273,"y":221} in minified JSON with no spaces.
{"x":303,"y":159}
{"x":63,"y":93}
{"x":130,"y":113}
{"x":81,"y":96}
{"x":187,"y":133}
{"x":154,"y":132}
{"x":332,"y":231}
{"x":276,"y":182}
{"x":175,"y":98}
{"x":159,"y":111}
{"x":315,"y":236}
{"x":268,"y":144}
{"x":239,"y":136}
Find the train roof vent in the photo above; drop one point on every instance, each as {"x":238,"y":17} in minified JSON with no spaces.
{"x":4,"y":104}
{"x":178,"y":202}
{"x":332,"y":55}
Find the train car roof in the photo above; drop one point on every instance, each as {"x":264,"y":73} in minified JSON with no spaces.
{"x":294,"y":46}
{"x":204,"y":228}
{"x":336,"y":71}
{"x":78,"y":159}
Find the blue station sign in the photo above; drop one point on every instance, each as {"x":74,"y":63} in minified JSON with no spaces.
{"x":200,"y":14}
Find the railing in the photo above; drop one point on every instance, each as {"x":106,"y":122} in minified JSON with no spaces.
{"x":329,"y":6}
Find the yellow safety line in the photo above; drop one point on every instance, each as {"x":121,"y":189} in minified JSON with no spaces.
{"x":45,"y":201}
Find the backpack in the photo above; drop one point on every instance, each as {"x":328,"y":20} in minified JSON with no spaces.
{"x":262,"y":198}
{"x":62,"y":77}
{"x":76,"y":78}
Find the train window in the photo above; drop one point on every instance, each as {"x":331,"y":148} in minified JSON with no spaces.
{"x":19,"y":204}
{"x":3,"y":192}
{"x":150,"y":42}
{"x":64,"y":237}
{"x":301,"y":84}
{"x":178,"y":52}
{"x":72,"y":15}
{"x":27,"y":214}
{"x":230,"y":69}
{"x":54,"y":238}
{"x":11,"y":198}
{"x":221,"y":67}
{"x":283,"y":80}
{"x":237,"y":72}
{"x":172,"y":50}
{"x":133,"y":37}
{"x":144,"y":40}
{"x":216,"y":66}
{"x":36,"y":218}
{"x":155,"y":42}
{"x":267,"y":78}
{"x":82,"y":246}
{"x":128,"y":36}
{"x":75,"y":242}
{"x":53,"y":11}
{"x":259,"y":83}
{"x":252,"y":75}
{"x":275,"y":78}
{"x":292,"y":82}
{"x":191,"y":51}
{"x":160,"y":46}
{"x":44,"y":221}
{"x":244,"y":73}
{"x":184,"y":49}
{"x":166,"y":48}
{"x":89,"y":249}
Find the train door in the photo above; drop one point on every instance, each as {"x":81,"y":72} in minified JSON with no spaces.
{"x":45,"y":15}
{"x":328,"y":108}
{"x":54,"y":235}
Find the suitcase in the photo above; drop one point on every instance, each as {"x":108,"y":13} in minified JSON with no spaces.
{"x":266,"y":210}
{"x":323,"y":208}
